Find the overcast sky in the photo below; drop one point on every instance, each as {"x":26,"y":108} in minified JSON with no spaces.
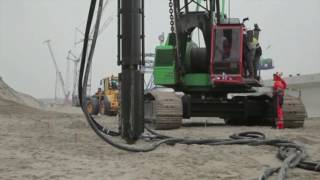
{"x":289,"y":26}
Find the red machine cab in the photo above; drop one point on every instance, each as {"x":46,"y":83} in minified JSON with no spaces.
{"x":226,"y":61}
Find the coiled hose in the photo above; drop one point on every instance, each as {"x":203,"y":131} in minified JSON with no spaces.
{"x":292,"y":154}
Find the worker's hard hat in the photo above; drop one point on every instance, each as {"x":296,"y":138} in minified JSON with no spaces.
{"x":279,"y":74}
{"x":256,"y":27}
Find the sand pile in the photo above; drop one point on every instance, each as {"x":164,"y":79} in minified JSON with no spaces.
{"x":8,"y":93}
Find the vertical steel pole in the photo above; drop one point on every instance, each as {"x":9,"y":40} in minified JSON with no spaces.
{"x":131,"y":59}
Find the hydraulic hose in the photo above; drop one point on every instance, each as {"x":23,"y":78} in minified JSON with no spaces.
{"x":292,"y":154}
{"x":101,"y":131}
{"x":84,"y":51}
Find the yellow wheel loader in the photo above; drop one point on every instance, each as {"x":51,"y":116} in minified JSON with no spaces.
{"x":105,"y":100}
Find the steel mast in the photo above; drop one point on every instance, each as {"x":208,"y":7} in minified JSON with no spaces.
{"x":59,"y":74}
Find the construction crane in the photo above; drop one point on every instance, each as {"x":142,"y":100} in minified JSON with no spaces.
{"x":58,"y":73}
{"x":75,"y":60}
{"x":104,"y":26}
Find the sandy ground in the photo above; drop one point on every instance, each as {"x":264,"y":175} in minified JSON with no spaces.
{"x":58,"y":144}
{"x":8,"y":93}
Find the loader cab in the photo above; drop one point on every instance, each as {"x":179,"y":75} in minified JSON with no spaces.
{"x":112,"y":83}
{"x":109,"y":84}
{"x":226,"y":64}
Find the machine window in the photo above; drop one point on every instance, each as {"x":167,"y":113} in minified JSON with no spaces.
{"x":227,"y":51}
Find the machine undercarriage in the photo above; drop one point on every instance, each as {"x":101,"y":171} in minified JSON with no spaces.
{"x":166,"y":110}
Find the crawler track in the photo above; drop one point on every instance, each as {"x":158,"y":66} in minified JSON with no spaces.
{"x":163,"y":110}
{"x":294,"y":112}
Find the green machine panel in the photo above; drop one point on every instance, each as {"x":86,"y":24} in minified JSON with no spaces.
{"x":164,"y":67}
{"x":197,"y":79}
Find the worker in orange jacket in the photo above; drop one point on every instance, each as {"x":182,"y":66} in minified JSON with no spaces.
{"x":279,"y":88}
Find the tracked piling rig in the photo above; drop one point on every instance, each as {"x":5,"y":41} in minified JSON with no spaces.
{"x":208,"y":81}
{"x":132,"y":110}
{"x":205,"y":81}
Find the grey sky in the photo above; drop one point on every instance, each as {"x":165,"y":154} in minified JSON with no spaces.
{"x":288,"y":26}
